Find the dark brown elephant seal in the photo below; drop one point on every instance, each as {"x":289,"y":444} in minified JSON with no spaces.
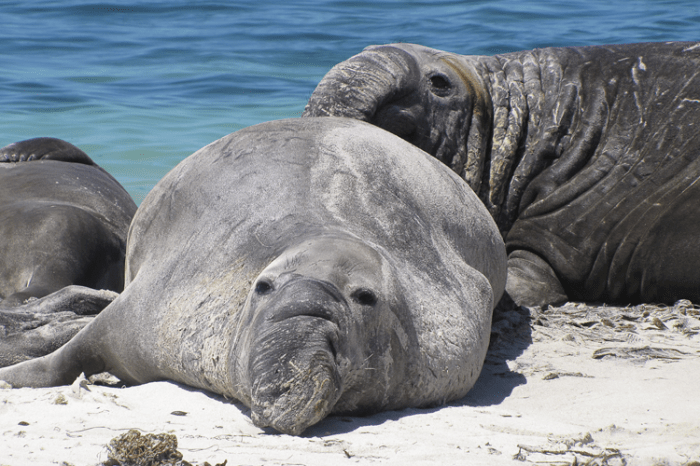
{"x":587,"y":157}
{"x":304,"y":267}
{"x":63,"y":227}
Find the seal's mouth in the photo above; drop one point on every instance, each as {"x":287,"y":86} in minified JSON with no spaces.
{"x":297,"y":394}
{"x":398,"y":120}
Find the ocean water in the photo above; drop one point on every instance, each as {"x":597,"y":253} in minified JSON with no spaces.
{"x":140,"y":85}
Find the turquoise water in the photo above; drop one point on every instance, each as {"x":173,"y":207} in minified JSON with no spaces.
{"x":141,"y":85}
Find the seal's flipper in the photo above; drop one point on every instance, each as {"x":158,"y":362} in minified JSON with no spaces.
{"x":531,"y":281}
{"x":82,"y":354}
{"x":39,"y":341}
{"x":57,"y":368}
{"x":77,"y":299}
{"x":41,"y":326}
{"x":44,"y":149}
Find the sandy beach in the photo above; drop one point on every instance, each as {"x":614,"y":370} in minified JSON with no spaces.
{"x":568,"y":385}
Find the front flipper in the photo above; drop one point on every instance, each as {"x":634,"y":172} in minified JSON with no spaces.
{"x":41,"y":326}
{"x":531,"y":281}
{"x":61,"y":367}
{"x":43,"y":149}
{"x":41,"y":340}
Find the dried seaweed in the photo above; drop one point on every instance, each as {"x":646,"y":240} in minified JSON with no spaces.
{"x":571,"y":452}
{"x":134,"y":449}
{"x":642,"y":332}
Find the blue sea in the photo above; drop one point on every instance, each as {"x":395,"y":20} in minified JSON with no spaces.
{"x":140,"y":85}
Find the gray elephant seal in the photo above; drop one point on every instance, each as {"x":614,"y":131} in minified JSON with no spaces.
{"x":587,"y":157}
{"x":304,"y":267}
{"x":63,"y":227}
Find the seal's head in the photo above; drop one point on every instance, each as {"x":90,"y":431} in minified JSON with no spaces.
{"x":323,"y":327}
{"x":435,"y":100}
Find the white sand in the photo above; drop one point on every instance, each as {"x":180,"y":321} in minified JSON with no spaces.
{"x":542,"y":398}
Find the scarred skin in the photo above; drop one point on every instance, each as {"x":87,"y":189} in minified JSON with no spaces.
{"x":586,"y":157}
{"x":304,"y":267}
{"x":63,"y":227}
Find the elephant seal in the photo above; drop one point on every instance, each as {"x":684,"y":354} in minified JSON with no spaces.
{"x":303,"y":267}
{"x":63,"y":227}
{"x":586,"y":157}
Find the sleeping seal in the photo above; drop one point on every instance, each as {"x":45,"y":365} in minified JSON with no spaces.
{"x":304,"y":267}
{"x":63,"y":227}
{"x":587,"y":157}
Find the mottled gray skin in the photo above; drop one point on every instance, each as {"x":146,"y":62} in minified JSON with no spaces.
{"x":63,"y":227}
{"x":304,"y":267}
{"x":587,"y":157}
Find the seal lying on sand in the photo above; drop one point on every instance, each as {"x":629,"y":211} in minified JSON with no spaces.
{"x":63,"y":227}
{"x":304,"y":267}
{"x":587,"y":157}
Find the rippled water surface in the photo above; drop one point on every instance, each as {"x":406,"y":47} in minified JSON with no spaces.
{"x":141,"y":85}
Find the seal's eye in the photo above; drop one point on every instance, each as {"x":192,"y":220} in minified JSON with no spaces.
{"x":365,"y":297}
{"x":263,"y":287}
{"x":440,"y":85}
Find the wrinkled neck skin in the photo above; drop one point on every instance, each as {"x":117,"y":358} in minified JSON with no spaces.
{"x":496,"y":121}
{"x":322,"y":331}
{"x":530,"y":128}
{"x":515,"y":128}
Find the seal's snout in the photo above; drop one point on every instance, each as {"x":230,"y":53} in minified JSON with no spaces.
{"x":293,"y":368}
{"x":295,"y":392}
{"x":359,"y":86}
